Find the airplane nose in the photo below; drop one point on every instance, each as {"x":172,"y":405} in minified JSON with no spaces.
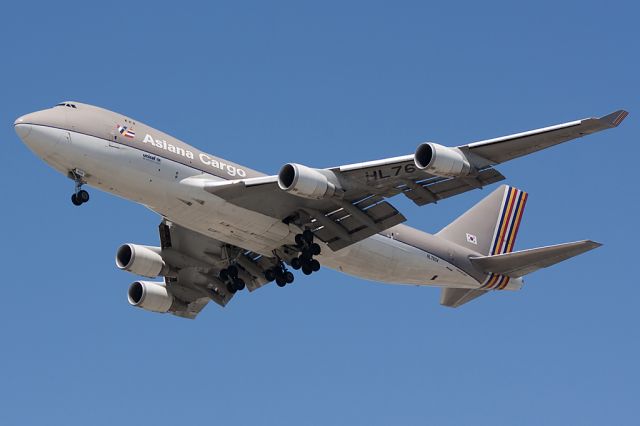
{"x":22,"y":129}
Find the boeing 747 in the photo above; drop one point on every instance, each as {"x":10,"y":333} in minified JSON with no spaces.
{"x":226,"y":227}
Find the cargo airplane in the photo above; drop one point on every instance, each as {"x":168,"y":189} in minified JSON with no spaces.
{"x":226,"y":227}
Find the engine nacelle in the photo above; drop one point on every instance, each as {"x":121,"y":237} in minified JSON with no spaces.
{"x":140,"y":260}
{"x":305,"y":182}
{"x":441,"y":160}
{"x":150,"y":295}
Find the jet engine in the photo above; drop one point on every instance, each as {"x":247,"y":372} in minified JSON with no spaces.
{"x":440,"y":160}
{"x":140,"y":260}
{"x":305,"y":182}
{"x":149,"y":295}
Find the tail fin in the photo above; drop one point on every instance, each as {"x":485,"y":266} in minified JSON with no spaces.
{"x":490,"y":227}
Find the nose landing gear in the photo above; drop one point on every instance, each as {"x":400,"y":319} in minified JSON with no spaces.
{"x":80,"y":196}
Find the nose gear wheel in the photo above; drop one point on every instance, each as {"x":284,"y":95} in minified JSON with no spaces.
{"x":79,"y":196}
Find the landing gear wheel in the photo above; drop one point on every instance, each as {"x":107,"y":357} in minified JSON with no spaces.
{"x":315,"y":249}
{"x":306,"y":269}
{"x":224,"y":275}
{"x":238,"y":283}
{"x":75,"y":200}
{"x":270,"y":275}
{"x":281,"y":281}
{"x":83,"y":196}
{"x":232,"y":271}
{"x":230,"y":288}
{"x":314,"y":265}
{"x":288,"y":277}
{"x":296,"y":263}
{"x":299,"y":240}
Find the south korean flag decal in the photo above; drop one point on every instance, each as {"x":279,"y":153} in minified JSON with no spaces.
{"x":472,"y":239}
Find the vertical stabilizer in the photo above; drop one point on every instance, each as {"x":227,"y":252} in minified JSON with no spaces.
{"x":490,"y":227}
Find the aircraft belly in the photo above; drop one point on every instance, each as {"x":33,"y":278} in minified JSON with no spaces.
{"x":379,"y":258}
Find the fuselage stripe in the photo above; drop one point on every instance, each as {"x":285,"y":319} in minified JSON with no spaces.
{"x":490,"y":281}
{"x":504,"y":284}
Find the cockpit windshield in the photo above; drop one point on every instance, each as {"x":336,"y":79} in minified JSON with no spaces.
{"x":66,"y":104}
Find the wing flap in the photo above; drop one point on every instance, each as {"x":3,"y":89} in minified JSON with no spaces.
{"x":345,"y":228}
{"x":433,"y":190}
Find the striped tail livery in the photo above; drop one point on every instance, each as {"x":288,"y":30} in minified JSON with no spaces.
{"x":513,"y":203}
{"x":490,"y":228}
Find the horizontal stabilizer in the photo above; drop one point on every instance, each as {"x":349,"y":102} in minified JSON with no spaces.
{"x":454,"y":297}
{"x":520,"y":263}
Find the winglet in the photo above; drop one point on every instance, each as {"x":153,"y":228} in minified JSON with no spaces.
{"x":614,"y":119}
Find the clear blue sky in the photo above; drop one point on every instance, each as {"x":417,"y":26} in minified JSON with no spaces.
{"x":325,"y":83}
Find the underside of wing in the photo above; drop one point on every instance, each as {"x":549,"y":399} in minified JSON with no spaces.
{"x":338,"y":221}
{"x":194,"y":264}
{"x":357,"y":212}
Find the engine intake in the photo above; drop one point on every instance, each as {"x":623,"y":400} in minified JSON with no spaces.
{"x":150,"y":295}
{"x":441,"y":160}
{"x":305,"y":182}
{"x":140,"y":260}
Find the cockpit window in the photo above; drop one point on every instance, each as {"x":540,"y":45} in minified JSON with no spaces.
{"x":66,"y":105}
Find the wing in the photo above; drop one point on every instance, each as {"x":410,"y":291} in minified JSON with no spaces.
{"x":359,"y":212}
{"x":198,"y":260}
{"x":359,"y":209}
{"x":499,"y":150}
{"x":337,"y":221}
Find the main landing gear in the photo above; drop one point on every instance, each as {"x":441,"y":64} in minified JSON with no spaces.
{"x":308,"y":249}
{"x":280,"y":274}
{"x":80,"y":196}
{"x":305,"y":261}
{"x":229,"y":276}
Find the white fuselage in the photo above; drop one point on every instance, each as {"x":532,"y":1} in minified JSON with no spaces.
{"x":174,"y":191}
